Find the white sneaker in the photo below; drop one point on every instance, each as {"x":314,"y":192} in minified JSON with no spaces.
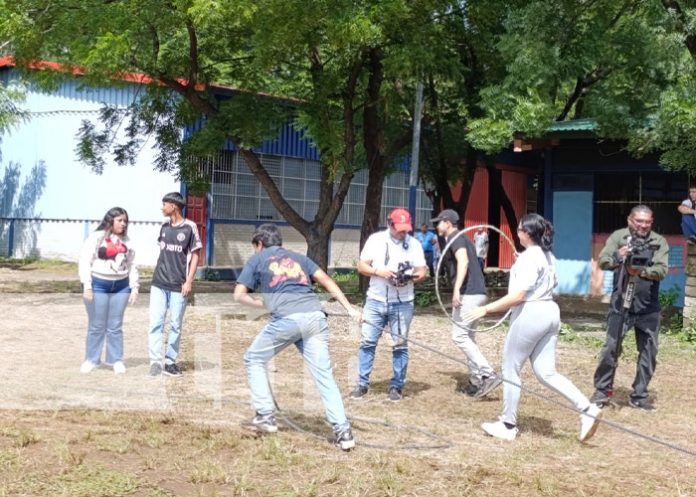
{"x":498,"y":429}
{"x":119,"y":367}
{"x":87,"y":367}
{"x":589,"y":422}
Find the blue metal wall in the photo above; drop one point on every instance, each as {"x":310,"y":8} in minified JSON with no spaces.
{"x":290,"y":142}
{"x":120,"y":93}
{"x":572,"y":220}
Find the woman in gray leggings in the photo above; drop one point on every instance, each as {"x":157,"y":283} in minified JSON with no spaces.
{"x":533,"y":333}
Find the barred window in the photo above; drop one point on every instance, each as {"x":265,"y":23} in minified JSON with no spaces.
{"x":237,"y":194}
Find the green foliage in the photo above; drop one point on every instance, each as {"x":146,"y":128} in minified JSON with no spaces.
{"x":425,"y":298}
{"x":11,"y":98}
{"x":349,"y":282}
{"x":211,"y":274}
{"x":348,"y":277}
{"x":582,"y":337}
{"x":675,"y":328}
{"x":668,"y":298}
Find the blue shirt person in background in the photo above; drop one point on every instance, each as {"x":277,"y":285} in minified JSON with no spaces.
{"x":284,"y":279}
{"x":428,"y":241}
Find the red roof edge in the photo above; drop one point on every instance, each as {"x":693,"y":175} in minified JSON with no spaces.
{"x":130,"y":77}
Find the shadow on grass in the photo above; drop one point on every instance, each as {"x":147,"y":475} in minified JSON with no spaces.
{"x":412,"y":388}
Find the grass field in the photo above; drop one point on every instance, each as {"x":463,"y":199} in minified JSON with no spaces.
{"x":190,"y":441}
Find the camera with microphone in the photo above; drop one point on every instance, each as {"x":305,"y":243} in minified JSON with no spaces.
{"x":640,"y":254}
{"x":403,"y":275}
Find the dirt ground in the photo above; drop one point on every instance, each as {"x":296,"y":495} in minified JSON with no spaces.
{"x":136,"y":435}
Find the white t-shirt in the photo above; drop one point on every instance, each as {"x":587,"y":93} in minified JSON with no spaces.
{"x":385,"y":252}
{"x":481,"y":243}
{"x":688,"y":203}
{"x":534,"y":271}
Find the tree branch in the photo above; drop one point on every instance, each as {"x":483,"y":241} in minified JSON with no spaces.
{"x":582,"y":84}
{"x":690,"y":39}
{"x":193,"y":54}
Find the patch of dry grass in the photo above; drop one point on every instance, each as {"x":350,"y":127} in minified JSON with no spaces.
{"x":196,"y":446}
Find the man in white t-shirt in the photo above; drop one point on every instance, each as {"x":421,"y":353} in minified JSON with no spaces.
{"x":481,"y":244}
{"x":393,"y":260}
{"x":688,"y":211}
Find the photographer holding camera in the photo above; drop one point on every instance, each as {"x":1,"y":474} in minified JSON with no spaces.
{"x":639,"y":258}
{"x":393,"y":260}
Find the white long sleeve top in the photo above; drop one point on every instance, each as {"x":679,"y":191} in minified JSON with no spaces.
{"x":109,"y":257}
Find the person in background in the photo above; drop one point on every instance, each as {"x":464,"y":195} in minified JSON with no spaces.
{"x":468,"y":292}
{"x":688,"y":211}
{"x":109,"y":280}
{"x":394,"y":261}
{"x":284,"y":279}
{"x":428,"y":241}
{"x":172,"y":281}
{"x":643,"y":310}
{"x":481,"y":244}
{"x":533,"y":333}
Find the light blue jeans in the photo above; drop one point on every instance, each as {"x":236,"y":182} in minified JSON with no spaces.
{"x":160,"y":301}
{"x":105,"y":320}
{"x":376,"y":315}
{"x":309,"y":332}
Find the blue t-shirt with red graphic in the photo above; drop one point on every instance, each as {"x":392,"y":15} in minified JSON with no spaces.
{"x":284,"y":278}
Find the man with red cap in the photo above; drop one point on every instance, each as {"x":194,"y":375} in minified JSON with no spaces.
{"x":393,"y":260}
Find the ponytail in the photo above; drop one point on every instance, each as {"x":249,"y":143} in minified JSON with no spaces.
{"x":539,"y":230}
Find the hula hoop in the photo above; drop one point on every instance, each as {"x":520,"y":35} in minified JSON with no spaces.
{"x":439,"y":265}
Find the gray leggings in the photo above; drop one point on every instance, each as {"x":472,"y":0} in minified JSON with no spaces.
{"x":533,"y":334}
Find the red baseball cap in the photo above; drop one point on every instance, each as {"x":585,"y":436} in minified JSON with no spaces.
{"x":401,"y":220}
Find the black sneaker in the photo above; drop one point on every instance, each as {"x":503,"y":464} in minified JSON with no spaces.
{"x":488,"y":384}
{"x":469,"y":390}
{"x":692,"y":239}
{"x":172,"y":370}
{"x":155,"y":369}
{"x":265,"y":423}
{"x":359,"y":392}
{"x":600,"y":398}
{"x":394,"y":394}
{"x":344,"y":440}
{"x":642,"y":404}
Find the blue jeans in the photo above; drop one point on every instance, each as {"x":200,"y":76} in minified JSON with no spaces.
{"x":429,"y":260}
{"x":105,"y":319}
{"x":688,"y":225}
{"x":376,"y":316}
{"x":160,"y":301}
{"x":309,"y":332}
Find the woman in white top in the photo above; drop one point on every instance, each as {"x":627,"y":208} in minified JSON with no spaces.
{"x":533,"y":333}
{"x":110,"y":281}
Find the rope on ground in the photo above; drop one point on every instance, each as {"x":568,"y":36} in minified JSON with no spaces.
{"x":528,"y":390}
{"x":284,"y":416}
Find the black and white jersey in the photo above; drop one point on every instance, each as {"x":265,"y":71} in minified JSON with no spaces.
{"x":176,"y":243}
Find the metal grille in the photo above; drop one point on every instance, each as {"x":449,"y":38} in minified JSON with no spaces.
{"x":237,"y":195}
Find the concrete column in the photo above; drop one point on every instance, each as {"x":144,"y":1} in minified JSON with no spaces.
{"x":690,"y":286}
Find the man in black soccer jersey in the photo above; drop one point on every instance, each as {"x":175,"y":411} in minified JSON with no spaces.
{"x":180,"y":247}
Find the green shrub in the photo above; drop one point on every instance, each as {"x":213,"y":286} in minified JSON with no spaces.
{"x":425,"y":298}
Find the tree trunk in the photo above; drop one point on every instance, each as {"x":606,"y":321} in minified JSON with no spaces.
{"x":317,"y":233}
{"x":499,"y":199}
{"x":373,"y":141}
{"x":318,"y":247}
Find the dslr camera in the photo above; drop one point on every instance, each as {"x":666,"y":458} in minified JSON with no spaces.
{"x":640,"y":254}
{"x":404,"y":274}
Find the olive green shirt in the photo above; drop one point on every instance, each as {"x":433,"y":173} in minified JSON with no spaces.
{"x":646,"y":297}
